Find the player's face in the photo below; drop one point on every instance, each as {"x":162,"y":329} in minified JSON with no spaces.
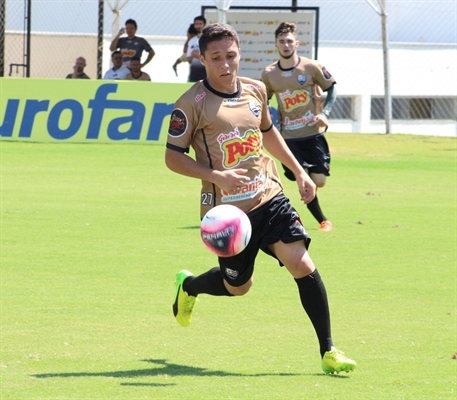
{"x":221,"y":60}
{"x":130,"y":30}
{"x":286,"y":44}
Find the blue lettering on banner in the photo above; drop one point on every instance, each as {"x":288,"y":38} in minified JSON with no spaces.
{"x":97,"y":105}
{"x":32,"y":108}
{"x":100,"y":103}
{"x":75,"y":123}
{"x":10,"y":116}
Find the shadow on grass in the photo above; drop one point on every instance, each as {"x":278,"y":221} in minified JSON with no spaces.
{"x":167,"y":369}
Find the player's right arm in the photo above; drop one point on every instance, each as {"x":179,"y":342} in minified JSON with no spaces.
{"x":113,"y":45}
{"x":182,"y":164}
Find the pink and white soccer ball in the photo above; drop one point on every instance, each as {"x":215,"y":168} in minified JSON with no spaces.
{"x":226,"y":230}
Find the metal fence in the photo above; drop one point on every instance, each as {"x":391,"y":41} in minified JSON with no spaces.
{"x":43,"y":38}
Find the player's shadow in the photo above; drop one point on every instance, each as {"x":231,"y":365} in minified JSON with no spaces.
{"x":165,"y":368}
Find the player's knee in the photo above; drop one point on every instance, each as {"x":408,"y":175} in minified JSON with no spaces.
{"x":319,"y":179}
{"x":240,"y":290}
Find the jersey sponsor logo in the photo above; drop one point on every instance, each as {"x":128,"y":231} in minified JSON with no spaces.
{"x":292,"y":124}
{"x":199,"y":96}
{"x":178,"y":123}
{"x":286,"y":74}
{"x":254,"y":106}
{"x":231,"y":102}
{"x":231,"y":273}
{"x":237,"y":148}
{"x":128,"y":52}
{"x":293,"y":100}
{"x":301,"y":79}
{"x":247,"y":191}
{"x":327,"y":75}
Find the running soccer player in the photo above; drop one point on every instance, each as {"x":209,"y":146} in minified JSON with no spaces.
{"x":302,"y":115}
{"x":226,"y":120}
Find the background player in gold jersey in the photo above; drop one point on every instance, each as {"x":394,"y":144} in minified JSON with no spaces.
{"x":301,"y":118}
{"x":226,"y":120}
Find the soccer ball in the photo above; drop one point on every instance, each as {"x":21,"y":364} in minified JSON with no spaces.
{"x":226,"y":230}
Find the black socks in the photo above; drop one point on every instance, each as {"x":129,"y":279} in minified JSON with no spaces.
{"x":315,"y":209}
{"x":313,"y":297}
{"x":210,"y":282}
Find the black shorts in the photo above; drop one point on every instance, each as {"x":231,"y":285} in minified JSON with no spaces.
{"x":274,"y":221}
{"x":313,"y":154}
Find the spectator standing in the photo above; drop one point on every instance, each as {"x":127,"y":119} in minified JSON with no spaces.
{"x":191,"y":32}
{"x":302,"y":115}
{"x":131,"y":46}
{"x":78,"y":70}
{"x":197,"y":70}
{"x":118,"y":71}
{"x":136,"y":74}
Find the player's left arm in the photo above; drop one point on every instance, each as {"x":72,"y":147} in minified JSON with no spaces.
{"x":322,"y":118}
{"x":151,"y":54}
{"x":277,"y":147}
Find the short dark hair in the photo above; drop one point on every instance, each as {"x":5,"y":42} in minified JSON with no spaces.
{"x":133,"y":22}
{"x":286,"y":27}
{"x":135,"y":59}
{"x":200,"y":18}
{"x":216,"y":32}
{"x":115,"y":52}
{"x":192,"y":30}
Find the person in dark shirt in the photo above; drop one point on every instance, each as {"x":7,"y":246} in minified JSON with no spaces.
{"x":131,"y":46}
{"x":78,"y":70}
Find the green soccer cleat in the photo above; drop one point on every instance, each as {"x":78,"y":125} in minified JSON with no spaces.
{"x":335,"y":361}
{"x":184,"y":304}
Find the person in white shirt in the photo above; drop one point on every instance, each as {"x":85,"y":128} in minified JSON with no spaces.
{"x":118,"y":71}
{"x":197,"y":70}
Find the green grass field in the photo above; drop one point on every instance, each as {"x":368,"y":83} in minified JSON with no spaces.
{"x":92,"y":236}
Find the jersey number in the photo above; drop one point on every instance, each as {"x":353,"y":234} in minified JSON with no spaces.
{"x":207,"y":199}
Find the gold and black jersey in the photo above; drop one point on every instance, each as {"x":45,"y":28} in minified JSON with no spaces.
{"x":225,"y":131}
{"x":298,"y":94}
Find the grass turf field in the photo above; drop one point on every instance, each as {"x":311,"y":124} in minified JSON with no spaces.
{"x":92,"y":235}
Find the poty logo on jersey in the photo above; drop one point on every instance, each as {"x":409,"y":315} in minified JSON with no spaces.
{"x":296,"y":99}
{"x":237,"y":148}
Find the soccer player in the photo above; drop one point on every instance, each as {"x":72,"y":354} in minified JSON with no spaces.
{"x":226,"y":120}
{"x":302,"y":116}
